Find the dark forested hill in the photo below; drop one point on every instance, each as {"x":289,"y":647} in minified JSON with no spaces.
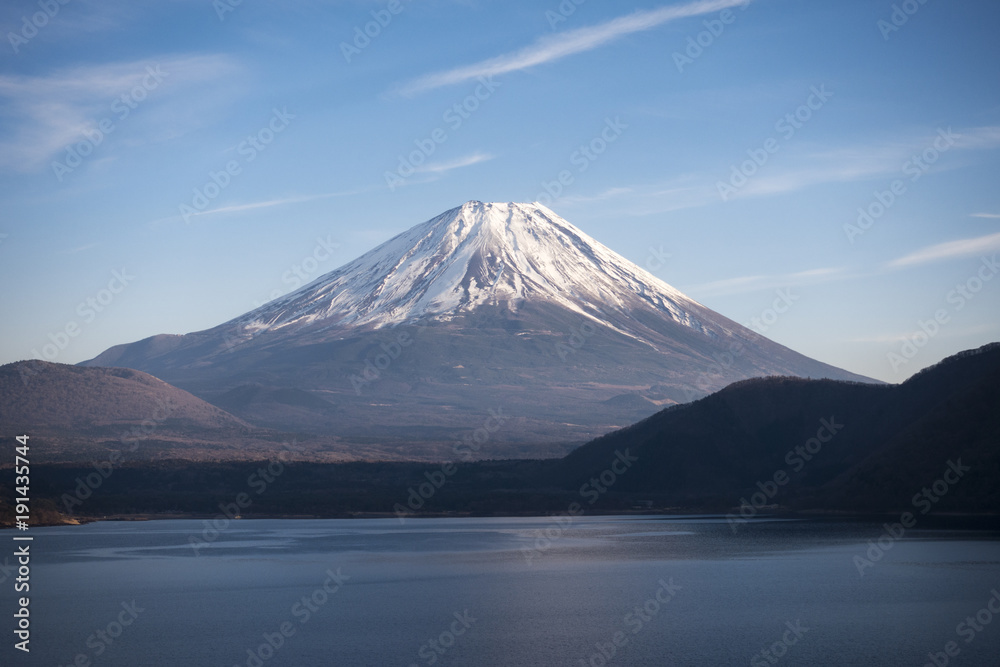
{"x":841,"y":445}
{"x":930,"y":443}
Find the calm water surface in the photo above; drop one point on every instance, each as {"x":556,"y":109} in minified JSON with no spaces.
{"x":671,"y":590}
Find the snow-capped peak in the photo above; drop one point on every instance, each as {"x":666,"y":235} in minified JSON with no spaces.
{"x":476,"y":254}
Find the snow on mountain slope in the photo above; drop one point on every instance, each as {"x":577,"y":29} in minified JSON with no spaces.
{"x":495,"y":299}
{"x":477,"y":254}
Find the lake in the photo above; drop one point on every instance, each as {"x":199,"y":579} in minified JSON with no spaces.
{"x":635,"y":590}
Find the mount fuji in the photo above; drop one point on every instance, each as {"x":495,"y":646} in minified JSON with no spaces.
{"x":500,"y":326}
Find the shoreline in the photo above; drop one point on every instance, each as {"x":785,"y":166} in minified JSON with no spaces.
{"x":989,"y":521}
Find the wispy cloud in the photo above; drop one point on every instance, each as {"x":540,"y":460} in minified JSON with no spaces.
{"x":46,"y":113}
{"x":83,"y":248}
{"x":948,"y":332}
{"x":791,"y":172}
{"x":571,"y":42}
{"x":861,"y":162}
{"x":991,"y":216}
{"x":744,"y":284}
{"x":880,"y":338}
{"x":979,"y":137}
{"x":639,"y":199}
{"x":266,"y":203}
{"x":610,"y":193}
{"x":458,"y":163}
{"x":949,"y":250}
{"x":82,"y":18}
{"x":236,"y":208}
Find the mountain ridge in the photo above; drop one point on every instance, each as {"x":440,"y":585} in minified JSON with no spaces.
{"x":486,"y":305}
{"x":745,"y":451}
{"x":887,"y":439}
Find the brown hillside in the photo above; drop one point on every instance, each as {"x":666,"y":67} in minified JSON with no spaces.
{"x":37,"y":395}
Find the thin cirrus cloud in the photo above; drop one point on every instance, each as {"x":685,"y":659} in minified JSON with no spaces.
{"x":83,"y":248}
{"x":795,"y":171}
{"x":690,"y":190}
{"x":250,"y":206}
{"x":458,"y":163}
{"x":949,"y":332}
{"x":47,"y":113}
{"x":237,"y":208}
{"x":744,"y":284}
{"x":610,"y":193}
{"x":80,"y":19}
{"x":979,"y":245}
{"x":865,"y":162}
{"x":571,"y":42}
{"x":989,"y":216}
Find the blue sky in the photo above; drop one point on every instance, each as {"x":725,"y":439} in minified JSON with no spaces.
{"x":165,"y":166}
